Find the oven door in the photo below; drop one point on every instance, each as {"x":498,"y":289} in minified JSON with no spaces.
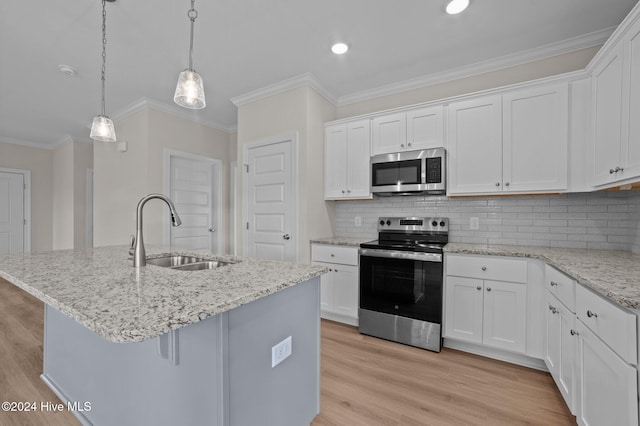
{"x":405,"y":284}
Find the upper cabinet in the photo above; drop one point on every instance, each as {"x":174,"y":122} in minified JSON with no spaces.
{"x":514,"y":142}
{"x":415,"y":129}
{"x":615,"y":144}
{"x":346,"y":160}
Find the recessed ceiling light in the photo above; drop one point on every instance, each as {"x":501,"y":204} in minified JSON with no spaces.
{"x":456,"y":6}
{"x":339,"y":48}
{"x":68,"y":70}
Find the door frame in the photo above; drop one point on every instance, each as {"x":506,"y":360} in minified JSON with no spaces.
{"x":216,"y":192}
{"x":26,"y":174}
{"x":271,"y":140}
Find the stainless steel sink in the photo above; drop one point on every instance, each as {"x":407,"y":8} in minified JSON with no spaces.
{"x":172,"y":261}
{"x":185,"y":263}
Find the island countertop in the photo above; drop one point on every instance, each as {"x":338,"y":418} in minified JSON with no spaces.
{"x":613,"y":274}
{"x":100,"y":288}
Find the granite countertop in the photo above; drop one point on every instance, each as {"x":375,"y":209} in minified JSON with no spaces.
{"x":100,"y":289}
{"x":342,"y":241}
{"x":613,"y":274}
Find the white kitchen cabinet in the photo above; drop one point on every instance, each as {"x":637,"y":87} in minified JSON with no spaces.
{"x":347,"y":152}
{"x":415,"y":129}
{"x":607,"y":386}
{"x":515,"y":142}
{"x":560,"y":346}
{"x":615,"y":71}
{"x":486,"y":311}
{"x":339,"y":293}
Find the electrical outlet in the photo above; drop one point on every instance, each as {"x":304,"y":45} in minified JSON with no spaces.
{"x":474,"y":223}
{"x":280,"y":352}
{"x":358,"y":220}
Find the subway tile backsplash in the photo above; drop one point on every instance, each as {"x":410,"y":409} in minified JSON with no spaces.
{"x":607,"y":220}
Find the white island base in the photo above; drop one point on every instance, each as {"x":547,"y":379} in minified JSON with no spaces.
{"x":213,"y":372}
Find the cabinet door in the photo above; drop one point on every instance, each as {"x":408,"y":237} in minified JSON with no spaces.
{"x":327,"y":288}
{"x":358,"y":166}
{"x":568,"y":338}
{"x":505,"y":315}
{"x":632,"y":148}
{"x":335,"y":161}
{"x":425,"y":128}
{"x":389,"y":133}
{"x":552,"y":338}
{"x":608,"y":387}
{"x":463,"y":309}
{"x":607,"y":117}
{"x":345,"y":290}
{"x":535,"y":139}
{"x":475,"y":146}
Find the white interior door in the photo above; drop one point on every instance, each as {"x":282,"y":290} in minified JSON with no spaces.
{"x":193,"y":187}
{"x":271,"y":200}
{"x":12,"y":214}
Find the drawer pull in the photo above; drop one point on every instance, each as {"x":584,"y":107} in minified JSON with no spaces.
{"x":478,"y":288}
{"x":484,"y":268}
{"x":574,"y":333}
{"x":553,"y":309}
{"x":592,"y":314}
{"x":333,"y":255}
{"x":553,"y":283}
{"x":488,"y":288}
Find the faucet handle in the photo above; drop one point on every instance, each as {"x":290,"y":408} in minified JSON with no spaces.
{"x":132,"y":245}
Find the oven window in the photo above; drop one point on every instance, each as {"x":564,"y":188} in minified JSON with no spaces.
{"x":393,"y":173}
{"x":407,"y":288}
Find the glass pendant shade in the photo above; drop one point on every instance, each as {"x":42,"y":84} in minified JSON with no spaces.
{"x":102,"y":129}
{"x":190,"y":90}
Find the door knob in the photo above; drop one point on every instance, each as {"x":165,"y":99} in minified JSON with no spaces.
{"x":286,"y":237}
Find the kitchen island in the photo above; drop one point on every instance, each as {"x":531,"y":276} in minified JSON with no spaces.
{"x":159,"y":346}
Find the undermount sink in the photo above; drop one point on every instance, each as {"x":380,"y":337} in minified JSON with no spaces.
{"x":185,"y":263}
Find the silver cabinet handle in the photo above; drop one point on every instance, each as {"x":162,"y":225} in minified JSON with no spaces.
{"x":507,"y":184}
{"x":348,"y":191}
{"x":286,"y":237}
{"x":401,"y":145}
{"x":553,"y":283}
{"x":484,"y":268}
{"x":553,"y":309}
{"x":592,"y":314}
{"x":333,"y":255}
{"x":488,"y":288}
{"x":611,"y":171}
{"x":478,"y":288}
{"x":330,"y":269}
{"x":574,"y":333}
{"x":212,"y":230}
{"x":497,"y":183}
{"x":409,"y":144}
{"x":619,"y":169}
{"x":343,"y":191}
{"x":335,"y":270}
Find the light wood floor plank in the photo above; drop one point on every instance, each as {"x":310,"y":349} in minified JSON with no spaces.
{"x":365,"y":381}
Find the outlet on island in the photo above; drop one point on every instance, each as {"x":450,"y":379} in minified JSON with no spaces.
{"x":474,"y":223}
{"x":280,"y":352}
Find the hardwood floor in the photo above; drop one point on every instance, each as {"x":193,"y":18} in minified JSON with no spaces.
{"x":365,"y":381}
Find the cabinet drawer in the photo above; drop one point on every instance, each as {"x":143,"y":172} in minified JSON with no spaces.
{"x":334,"y":254}
{"x":487,"y":268}
{"x":610,"y":322}
{"x":562,"y":286}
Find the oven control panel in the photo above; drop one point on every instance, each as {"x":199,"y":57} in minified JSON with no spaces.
{"x":440,"y":224}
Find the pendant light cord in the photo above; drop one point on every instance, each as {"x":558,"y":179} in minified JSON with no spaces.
{"x":104,"y":51}
{"x":192,"y":14}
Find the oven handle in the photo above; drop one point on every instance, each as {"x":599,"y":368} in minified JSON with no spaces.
{"x":396,"y":254}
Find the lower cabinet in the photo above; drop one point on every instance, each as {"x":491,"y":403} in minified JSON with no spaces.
{"x":492,"y":313}
{"x":559,"y":353}
{"x":339,"y":293}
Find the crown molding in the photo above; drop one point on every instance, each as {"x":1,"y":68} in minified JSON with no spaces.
{"x":29,"y":144}
{"x":176,"y":111}
{"x":306,"y":79}
{"x":593,"y":39}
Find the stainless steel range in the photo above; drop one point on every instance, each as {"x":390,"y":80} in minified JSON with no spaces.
{"x":401,"y":281}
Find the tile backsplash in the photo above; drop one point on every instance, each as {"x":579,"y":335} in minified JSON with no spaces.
{"x":608,"y":220}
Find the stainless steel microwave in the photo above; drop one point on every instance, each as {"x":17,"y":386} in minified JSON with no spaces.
{"x":409,"y":172}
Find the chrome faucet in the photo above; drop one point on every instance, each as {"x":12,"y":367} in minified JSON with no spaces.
{"x":139,"y":255}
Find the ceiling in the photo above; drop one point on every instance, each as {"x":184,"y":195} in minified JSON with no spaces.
{"x":245,"y":45}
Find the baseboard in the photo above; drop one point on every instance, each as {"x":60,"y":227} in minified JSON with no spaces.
{"x":78,"y":415}
{"x":339,"y":318}
{"x":500,"y":355}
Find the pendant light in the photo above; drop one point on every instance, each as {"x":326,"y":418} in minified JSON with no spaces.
{"x":102,"y":127}
{"x":190,"y":88}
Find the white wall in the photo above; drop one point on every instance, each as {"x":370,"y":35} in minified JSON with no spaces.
{"x":39,"y":162}
{"x":63,"y":207}
{"x":82,"y":161}
{"x":121,"y":179}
